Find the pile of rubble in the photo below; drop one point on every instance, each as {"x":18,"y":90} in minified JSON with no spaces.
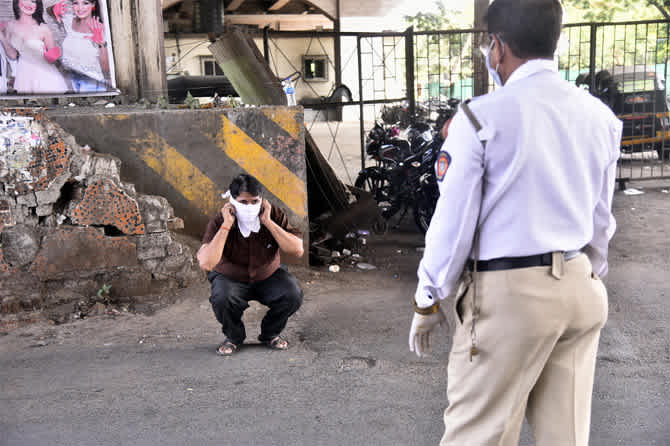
{"x":69,"y":227}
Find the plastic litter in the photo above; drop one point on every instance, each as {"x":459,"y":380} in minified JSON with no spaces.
{"x":632,"y":191}
{"x":334,"y":268}
{"x":365,"y":266}
{"x":665,"y":191}
{"x":363,"y":241}
{"x":363,"y":232}
{"x":351,"y":235}
{"x":346,"y":252}
{"x":110,"y":105}
{"x":335,"y":254}
{"x":71,"y":104}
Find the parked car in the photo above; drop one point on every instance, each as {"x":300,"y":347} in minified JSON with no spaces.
{"x":638,"y":97}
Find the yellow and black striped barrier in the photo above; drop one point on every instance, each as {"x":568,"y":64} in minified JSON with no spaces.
{"x":190,"y":156}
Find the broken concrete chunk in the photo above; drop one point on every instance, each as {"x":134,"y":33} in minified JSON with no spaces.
{"x":93,"y":165}
{"x":27,"y":200}
{"x":20,"y":244}
{"x":175,"y":224}
{"x":44,"y":210}
{"x":153,"y":246}
{"x":155,"y":212}
{"x":52,"y":193}
{"x":175,"y":249}
{"x":104,"y":203}
{"x":81,"y":251}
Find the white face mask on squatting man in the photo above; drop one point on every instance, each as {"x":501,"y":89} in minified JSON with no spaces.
{"x":247,"y":215}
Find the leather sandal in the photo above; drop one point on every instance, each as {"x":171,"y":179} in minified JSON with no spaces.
{"x":227,"y":348}
{"x":276,"y":343}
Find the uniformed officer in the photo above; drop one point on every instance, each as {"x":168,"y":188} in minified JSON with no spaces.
{"x":522,"y":224}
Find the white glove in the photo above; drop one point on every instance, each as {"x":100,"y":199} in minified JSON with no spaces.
{"x":419,"y":332}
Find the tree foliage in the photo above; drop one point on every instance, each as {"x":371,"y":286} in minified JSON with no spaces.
{"x":607,"y":10}
{"x":430,"y":21}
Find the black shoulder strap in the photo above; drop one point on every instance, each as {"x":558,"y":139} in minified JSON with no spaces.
{"x":473,"y":119}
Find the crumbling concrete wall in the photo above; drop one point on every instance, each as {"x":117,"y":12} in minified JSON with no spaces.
{"x":69,"y":225}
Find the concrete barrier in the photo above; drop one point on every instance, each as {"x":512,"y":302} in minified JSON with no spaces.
{"x":190,"y":156}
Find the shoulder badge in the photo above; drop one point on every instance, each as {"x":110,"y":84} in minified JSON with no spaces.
{"x":442,"y":165}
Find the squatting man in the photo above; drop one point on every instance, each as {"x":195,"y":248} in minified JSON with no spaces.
{"x":523,"y":222}
{"x":240,"y":252}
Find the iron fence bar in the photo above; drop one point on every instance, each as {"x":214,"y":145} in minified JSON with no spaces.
{"x":592,"y":58}
{"x":360,"y":100}
{"x":409,"y":70}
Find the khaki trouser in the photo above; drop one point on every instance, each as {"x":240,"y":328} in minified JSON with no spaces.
{"x":537,"y":337}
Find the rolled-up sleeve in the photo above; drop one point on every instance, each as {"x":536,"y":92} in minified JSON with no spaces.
{"x":450,"y":235}
{"x":604,"y":224}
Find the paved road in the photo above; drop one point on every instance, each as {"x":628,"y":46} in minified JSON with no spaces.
{"x":348,"y":378}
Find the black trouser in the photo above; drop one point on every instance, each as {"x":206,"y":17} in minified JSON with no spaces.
{"x":280,"y":292}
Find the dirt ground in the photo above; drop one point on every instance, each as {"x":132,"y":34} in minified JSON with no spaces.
{"x":348,"y":377}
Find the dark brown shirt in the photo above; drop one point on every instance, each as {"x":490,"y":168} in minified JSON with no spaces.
{"x":249,"y":259}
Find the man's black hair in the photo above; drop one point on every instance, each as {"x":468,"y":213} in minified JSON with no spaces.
{"x":531,"y":28}
{"x":245,"y":183}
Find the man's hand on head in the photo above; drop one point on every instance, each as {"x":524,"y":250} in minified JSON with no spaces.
{"x":266,"y":209}
{"x":228,"y":213}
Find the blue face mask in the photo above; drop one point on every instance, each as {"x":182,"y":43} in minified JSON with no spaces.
{"x":494,"y":72}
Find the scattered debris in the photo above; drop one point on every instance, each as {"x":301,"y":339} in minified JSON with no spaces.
{"x":71,"y":105}
{"x":665,"y":191}
{"x":110,"y":105}
{"x":632,"y":191}
{"x":365,"y":266}
{"x":334,"y":268}
{"x":346,"y":252}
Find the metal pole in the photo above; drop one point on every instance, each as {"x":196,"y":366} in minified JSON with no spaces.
{"x":360,"y":99}
{"x":337,"y":44}
{"x":592,"y":58}
{"x":266,"y":43}
{"x":409,"y":70}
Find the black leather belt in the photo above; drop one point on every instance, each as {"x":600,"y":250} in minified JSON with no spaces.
{"x":512,"y":262}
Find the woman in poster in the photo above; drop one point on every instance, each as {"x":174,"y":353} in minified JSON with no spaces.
{"x":29,"y":39}
{"x":84,"y":47}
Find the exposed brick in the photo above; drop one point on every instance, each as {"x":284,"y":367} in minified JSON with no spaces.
{"x":75,"y":251}
{"x":104,"y":203}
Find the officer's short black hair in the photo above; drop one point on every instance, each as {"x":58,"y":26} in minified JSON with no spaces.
{"x":245,"y":183}
{"x":531,"y":28}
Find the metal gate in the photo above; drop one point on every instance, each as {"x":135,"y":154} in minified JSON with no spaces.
{"x":625,"y":64}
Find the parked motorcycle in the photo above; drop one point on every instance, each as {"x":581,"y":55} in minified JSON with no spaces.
{"x":403,"y":177}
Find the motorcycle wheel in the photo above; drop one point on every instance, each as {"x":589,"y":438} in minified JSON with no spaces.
{"x":372,"y":180}
{"x":423,"y":213}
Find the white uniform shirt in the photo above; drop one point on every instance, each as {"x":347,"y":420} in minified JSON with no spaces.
{"x":548,"y":168}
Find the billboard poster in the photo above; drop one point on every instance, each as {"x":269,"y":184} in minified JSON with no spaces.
{"x":55,"y":48}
